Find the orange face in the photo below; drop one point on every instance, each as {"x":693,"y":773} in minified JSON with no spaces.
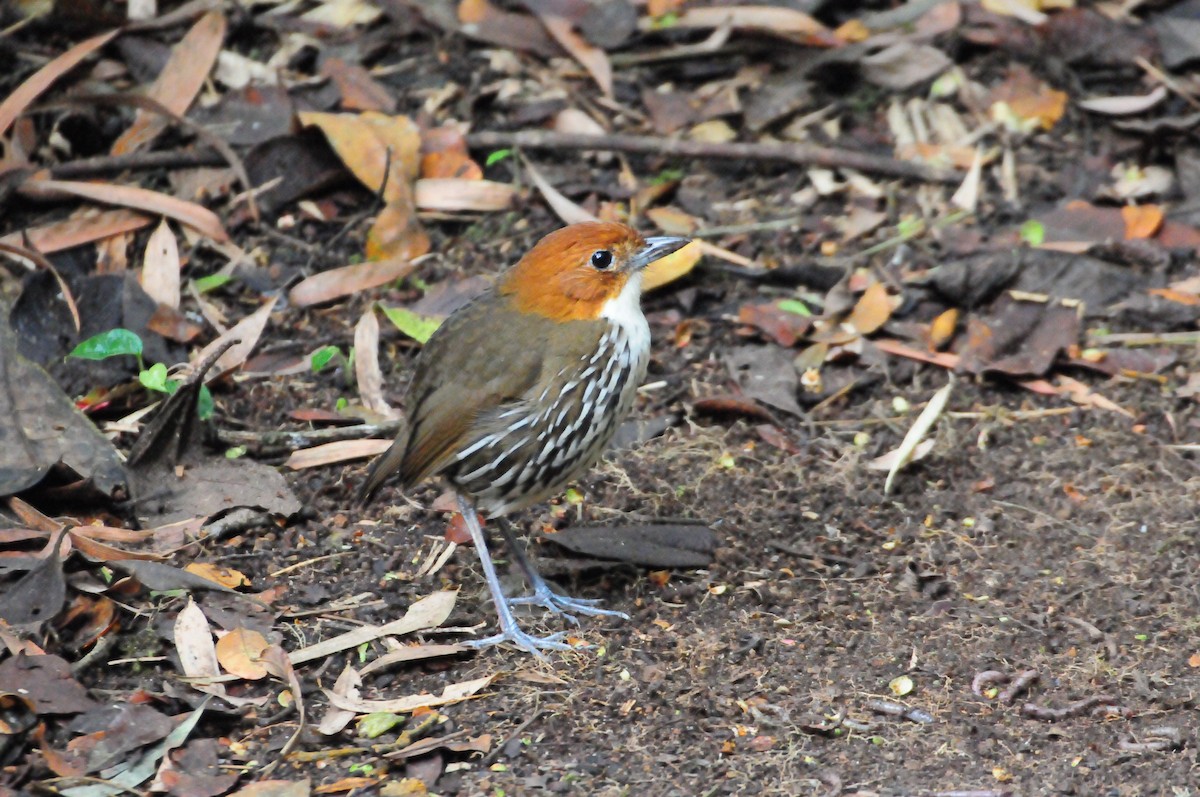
{"x":572,"y":272}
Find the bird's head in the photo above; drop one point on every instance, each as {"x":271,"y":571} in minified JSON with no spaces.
{"x":572,"y":273}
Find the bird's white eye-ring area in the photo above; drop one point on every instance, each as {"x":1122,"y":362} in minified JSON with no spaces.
{"x":601,"y":259}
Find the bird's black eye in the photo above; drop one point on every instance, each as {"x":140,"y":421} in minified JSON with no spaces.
{"x":601,"y":259}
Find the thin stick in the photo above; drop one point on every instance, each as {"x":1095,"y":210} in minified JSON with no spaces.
{"x":798,"y":154}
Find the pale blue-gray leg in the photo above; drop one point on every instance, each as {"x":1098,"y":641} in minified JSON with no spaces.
{"x":509,"y":630}
{"x":542,"y":594}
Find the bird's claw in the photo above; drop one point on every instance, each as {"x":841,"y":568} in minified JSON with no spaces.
{"x":527,"y":642}
{"x":564,"y":605}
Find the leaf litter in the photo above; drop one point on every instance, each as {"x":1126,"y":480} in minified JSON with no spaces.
{"x":918,"y":292}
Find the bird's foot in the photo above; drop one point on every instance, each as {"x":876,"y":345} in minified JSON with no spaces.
{"x":527,"y":642}
{"x":565,"y":605}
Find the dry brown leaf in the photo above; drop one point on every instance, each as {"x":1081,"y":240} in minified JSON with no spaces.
{"x":593,"y":59}
{"x":367,"y":372}
{"x":455,"y":194}
{"x":240,"y":653}
{"x":246,"y":332}
{"x":332,"y":453}
{"x":565,"y":209}
{"x":343,"y":281}
{"x":84,"y":226}
{"x":15,"y":104}
{"x":452,"y":693}
{"x":383,"y":153}
{"x":768,"y":19}
{"x":160,"y":266}
{"x":1142,"y":221}
{"x":194,"y":643}
{"x":1024,"y":102}
{"x":1124,"y":106}
{"x":672,"y":220}
{"x":448,"y":164}
{"x":179,"y":81}
{"x":195,"y":216}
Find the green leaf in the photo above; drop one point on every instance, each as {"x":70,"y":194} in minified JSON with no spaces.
{"x":1033,"y":232}
{"x":667,"y":20}
{"x":211,"y":282}
{"x":416,"y":326}
{"x":341,"y":404}
{"x":795,"y":306}
{"x":322,"y":357}
{"x":497,"y":156}
{"x":667,"y":176}
{"x":113,"y":343}
{"x":155,"y":378}
{"x":378,"y":723}
{"x":235,"y":452}
{"x":205,"y":404}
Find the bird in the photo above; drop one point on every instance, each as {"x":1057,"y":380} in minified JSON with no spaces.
{"x":519,"y":391}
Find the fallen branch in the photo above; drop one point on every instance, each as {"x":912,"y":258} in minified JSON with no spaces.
{"x":798,"y":154}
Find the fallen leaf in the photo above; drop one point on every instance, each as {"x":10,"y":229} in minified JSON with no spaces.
{"x":1142,"y":221}
{"x":240,"y":652}
{"x":672,"y":267}
{"x":160,"y":266}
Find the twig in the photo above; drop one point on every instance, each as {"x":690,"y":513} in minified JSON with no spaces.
{"x":516,"y":734}
{"x":165,"y":159}
{"x":284,"y":442}
{"x":798,"y":154}
{"x":1158,"y":739}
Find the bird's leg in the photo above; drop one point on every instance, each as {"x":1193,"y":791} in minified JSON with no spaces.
{"x":509,"y":630}
{"x":543,"y":595}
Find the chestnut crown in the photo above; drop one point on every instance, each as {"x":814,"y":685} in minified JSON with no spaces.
{"x":573,"y":272}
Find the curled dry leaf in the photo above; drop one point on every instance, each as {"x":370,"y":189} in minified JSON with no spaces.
{"x":383,"y":153}
{"x":240,"y":653}
{"x":219,"y":574}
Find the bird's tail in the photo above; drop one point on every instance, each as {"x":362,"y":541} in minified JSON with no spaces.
{"x":383,"y":467}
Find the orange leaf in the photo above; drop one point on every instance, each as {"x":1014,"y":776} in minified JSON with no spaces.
{"x":671,"y":267}
{"x":593,"y":59}
{"x":1141,"y":221}
{"x":1179,"y":297}
{"x":240,"y":652}
{"x":338,"y":282}
{"x":219,"y":574}
{"x":941,"y":330}
{"x":872,"y":311}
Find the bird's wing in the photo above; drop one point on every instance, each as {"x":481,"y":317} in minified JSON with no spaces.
{"x":458,"y":380}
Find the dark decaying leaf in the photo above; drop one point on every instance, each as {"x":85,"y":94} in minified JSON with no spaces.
{"x":41,"y":428}
{"x":195,"y":770}
{"x":976,"y":280}
{"x":1019,"y":338}
{"x":296,"y":166}
{"x":766,"y":374}
{"x":649,"y":545}
{"x":47,"y":683}
{"x":114,"y":731}
{"x":39,"y":594}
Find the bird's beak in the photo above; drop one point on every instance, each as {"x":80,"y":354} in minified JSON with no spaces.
{"x":656,"y":249}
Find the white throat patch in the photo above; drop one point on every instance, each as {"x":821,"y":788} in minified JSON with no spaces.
{"x":625,"y":310}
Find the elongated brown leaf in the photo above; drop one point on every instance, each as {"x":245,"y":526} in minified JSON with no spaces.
{"x":338,"y":282}
{"x":41,"y":80}
{"x":179,"y":82}
{"x":196,"y":216}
